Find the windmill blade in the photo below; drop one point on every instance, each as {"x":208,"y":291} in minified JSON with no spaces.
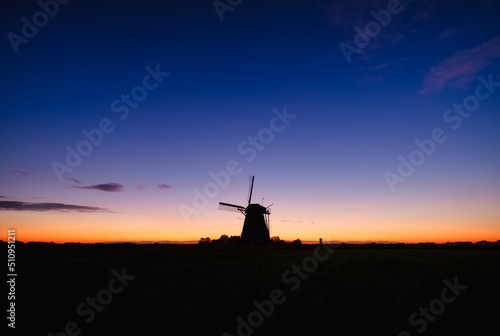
{"x":231,"y":207}
{"x":268,"y":222}
{"x":250,"y":189}
{"x":268,"y":209}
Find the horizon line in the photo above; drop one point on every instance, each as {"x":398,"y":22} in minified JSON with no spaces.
{"x":306,"y":242}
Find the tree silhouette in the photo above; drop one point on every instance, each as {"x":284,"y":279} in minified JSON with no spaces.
{"x":204,"y":241}
{"x":276,"y":240}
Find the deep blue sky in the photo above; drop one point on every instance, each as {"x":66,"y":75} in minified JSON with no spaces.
{"x":324,"y":171}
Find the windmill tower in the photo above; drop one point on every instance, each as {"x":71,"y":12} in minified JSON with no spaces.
{"x":256,"y":226}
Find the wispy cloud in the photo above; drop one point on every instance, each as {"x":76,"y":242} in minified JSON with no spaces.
{"x":140,"y":187}
{"x":425,"y":11}
{"x":447,"y":33}
{"x":348,"y":13}
{"x":370,"y":79}
{"x":107,"y":187}
{"x":385,"y":66}
{"x":395,"y":38}
{"x":164,"y":186}
{"x":74,"y":180}
{"x":18,"y":172}
{"x":23,"y":206}
{"x":461,"y":68}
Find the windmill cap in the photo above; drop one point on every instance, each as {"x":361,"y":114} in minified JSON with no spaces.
{"x":256,"y":208}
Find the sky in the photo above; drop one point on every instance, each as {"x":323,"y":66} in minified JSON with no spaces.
{"x":360,"y":120}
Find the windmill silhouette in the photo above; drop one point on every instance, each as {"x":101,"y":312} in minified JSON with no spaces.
{"x":256,"y":226}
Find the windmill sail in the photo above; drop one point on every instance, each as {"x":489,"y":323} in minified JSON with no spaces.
{"x":231,"y":207}
{"x":250,"y":189}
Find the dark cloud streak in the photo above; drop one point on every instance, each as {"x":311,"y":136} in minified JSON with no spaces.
{"x":107,"y":187}
{"x":18,"y":172}
{"x":74,"y":180}
{"x":23,"y":206}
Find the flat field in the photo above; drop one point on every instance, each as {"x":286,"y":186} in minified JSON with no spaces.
{"x":211,"y":290}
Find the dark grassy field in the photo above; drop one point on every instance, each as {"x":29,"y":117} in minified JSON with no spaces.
{"x":203,"y":290}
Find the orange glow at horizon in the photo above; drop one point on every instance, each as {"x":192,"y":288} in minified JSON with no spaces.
{"x":40,"y":230}
{"x":411,"y":220}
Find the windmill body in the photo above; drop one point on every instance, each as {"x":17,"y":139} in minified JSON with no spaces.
{"x":256,"y":225}
{"x":255,"y":228}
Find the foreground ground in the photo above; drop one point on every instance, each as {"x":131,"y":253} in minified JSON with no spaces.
{"x":210,"y":290}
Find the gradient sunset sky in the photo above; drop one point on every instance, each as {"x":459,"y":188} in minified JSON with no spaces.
{"x":178,"y":92}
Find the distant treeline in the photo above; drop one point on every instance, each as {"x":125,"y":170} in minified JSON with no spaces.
{"x":235,"y":240}
{"x":225,"y":240}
